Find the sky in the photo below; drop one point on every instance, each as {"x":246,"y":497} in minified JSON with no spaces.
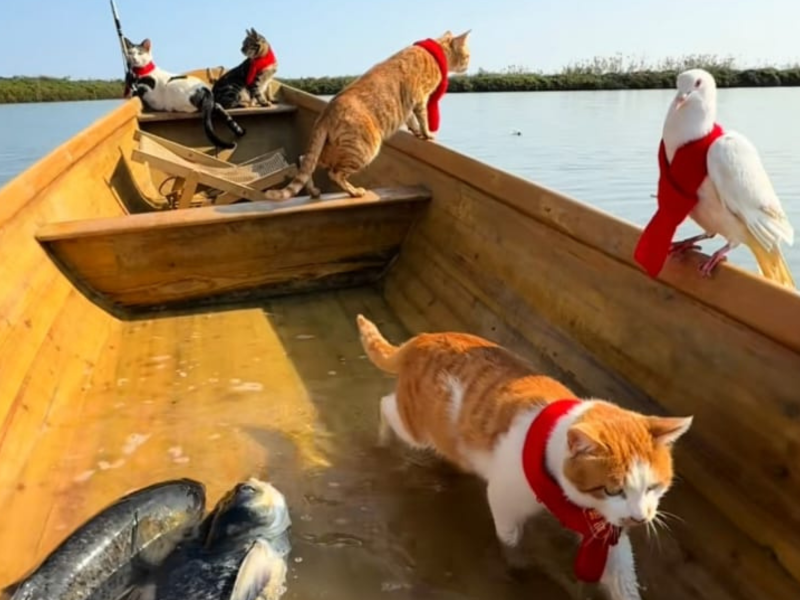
{"x":77,"y":38}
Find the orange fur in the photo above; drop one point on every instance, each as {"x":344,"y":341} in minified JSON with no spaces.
{"x":497,"y":386}
{"x":349,"y":133}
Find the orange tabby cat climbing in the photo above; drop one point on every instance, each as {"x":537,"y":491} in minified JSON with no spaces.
{"x":348,"y":135}
{"x":597,"y":467}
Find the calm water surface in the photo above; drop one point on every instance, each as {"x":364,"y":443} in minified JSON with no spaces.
{"x":598,"y":147}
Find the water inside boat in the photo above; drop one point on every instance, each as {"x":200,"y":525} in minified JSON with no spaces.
{"x":296,"y":402}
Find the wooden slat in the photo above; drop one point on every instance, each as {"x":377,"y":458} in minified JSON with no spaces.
{"x":184,"y":171}
{"x":184,"y":151}
{"x":277,"y":109}
{"x":173,"y":257}
{"x":260,"y":184}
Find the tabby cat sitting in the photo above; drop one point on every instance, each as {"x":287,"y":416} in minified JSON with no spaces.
{"x":161,"y":90}
{"x":600,"y":469}
{"x":248,"y":83}
{"x":403,"y":89}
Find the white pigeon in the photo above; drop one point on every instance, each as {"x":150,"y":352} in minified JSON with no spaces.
{"x":736,"y":200}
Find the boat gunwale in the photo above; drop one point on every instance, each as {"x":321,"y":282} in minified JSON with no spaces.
{"x":733,"y":291}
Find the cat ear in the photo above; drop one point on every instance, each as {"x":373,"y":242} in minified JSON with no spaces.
{"x":463,"y":36}
{"x":582,"y":439}
{"x":667,"y":430}
{"x":447,"y":35}
{"x":146,"y":44}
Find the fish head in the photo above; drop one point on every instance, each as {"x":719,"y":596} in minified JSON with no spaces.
{"x":251,"y":504}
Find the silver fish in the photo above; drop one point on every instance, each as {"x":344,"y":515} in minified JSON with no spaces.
{"x":100,"y":560}
{"x":240,"y":552}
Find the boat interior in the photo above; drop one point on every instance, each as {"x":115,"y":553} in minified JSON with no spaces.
{"x":159,"y":320}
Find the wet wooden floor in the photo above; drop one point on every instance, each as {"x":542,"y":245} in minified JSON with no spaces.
{"x":295,"y":401}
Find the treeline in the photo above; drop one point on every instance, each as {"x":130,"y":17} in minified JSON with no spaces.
{"x":602,"y":73}
{"x":53,"y":89}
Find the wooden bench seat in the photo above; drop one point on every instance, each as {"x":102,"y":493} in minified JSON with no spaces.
{"x":171,"y":259}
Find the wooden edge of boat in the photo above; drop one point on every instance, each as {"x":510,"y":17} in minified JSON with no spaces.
{"x":501,"y":257}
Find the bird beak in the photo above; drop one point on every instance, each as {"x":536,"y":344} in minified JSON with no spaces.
{"x":680,"y":99}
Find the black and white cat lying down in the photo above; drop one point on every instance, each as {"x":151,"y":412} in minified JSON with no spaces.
{"x":164,"y":91}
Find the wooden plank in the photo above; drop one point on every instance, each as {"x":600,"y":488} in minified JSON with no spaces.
{"x":185,"y":151}
{"x":277,"y":109}
{"x":260,"y":184}
{"x":327,"y":203}
{"x":129,"y":264}
{"x":174,"y":168}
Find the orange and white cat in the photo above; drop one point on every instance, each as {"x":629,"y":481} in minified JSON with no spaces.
{"x":487,"y":411}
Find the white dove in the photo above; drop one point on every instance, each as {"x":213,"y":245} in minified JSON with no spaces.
{"x":736,"y":200}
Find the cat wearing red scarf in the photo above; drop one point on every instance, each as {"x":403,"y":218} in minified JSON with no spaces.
{"x":247,"y":84}
{"x":403,"y":89}
{"x":600,"y":469}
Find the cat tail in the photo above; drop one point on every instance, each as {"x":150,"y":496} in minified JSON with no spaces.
{"x":208,"y":106}
{"x":309,"y":163}
{"x":381,"y":353}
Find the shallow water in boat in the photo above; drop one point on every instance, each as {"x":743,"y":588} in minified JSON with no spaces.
{"x":295,"y":402}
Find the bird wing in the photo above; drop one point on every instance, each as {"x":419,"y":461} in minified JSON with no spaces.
{"x":745,"y":189}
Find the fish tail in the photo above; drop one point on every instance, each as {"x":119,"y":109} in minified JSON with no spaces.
{"x":381,"y":353}
{"x":772,"y":263}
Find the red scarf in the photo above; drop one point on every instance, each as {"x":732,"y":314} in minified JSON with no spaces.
{"x":139,"y":72}
{"x":678,"y":183}
{"x":259,"y":64}
{"x":436,"y":51}
{"x":597,"y":533}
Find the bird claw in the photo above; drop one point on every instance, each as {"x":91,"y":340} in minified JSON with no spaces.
{"x":707,"y":267}
{"x":680,"y":248}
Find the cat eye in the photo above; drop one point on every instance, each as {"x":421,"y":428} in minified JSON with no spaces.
{"x":653,"y":487}
{"x":613,"y":493}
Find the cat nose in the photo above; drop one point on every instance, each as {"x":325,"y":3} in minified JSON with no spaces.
{"x":632,"y":522}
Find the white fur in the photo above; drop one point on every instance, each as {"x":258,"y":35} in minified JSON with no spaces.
{"x":737,"y":195}
{"x":173,"y":96}
{"x":512,"y":502}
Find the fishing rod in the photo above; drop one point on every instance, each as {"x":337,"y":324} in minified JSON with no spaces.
{"x":129,"y":77}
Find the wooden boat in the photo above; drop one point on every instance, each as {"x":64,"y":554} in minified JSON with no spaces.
{"x":140,"y":343}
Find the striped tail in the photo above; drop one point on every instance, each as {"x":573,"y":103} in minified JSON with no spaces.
{"x":771,"y":262}
{"x":381,"y":353}
{"x":309,"y":163}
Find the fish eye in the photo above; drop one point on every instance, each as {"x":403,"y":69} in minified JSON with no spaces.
{"x":246,"y":488}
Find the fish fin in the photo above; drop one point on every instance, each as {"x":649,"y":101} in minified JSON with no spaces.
{"x":261,"y":575}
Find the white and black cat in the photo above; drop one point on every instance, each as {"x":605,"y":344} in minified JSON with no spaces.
{"x":164,"y":91}
{"x":247,"y":84}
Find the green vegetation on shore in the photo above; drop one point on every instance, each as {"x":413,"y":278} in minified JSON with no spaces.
{"x":610,"y":73}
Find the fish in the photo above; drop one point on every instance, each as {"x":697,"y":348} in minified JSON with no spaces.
{"x":103,"y":558}
{"x":240,"y":552}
